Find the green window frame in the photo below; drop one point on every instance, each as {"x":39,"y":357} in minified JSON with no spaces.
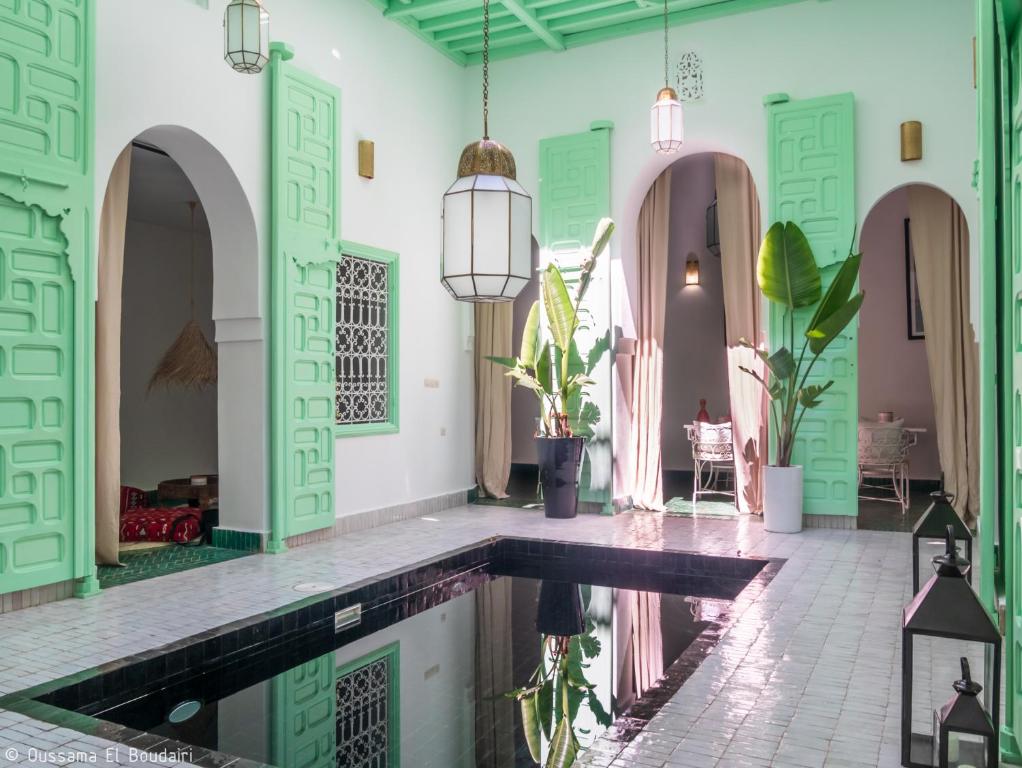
{"x":392,"y":261}
{"x":391,"y":652}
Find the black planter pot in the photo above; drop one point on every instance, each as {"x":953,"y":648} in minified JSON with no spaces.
{"x":559,"y":610}
{"x":559,"y":459}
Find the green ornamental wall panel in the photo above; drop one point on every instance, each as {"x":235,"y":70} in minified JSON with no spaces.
{"x":811,"y":166}
{"x":574,"y":194}
{"x":306,"y":247}
{"x":304,"y":715}
{"x":46,"y":295}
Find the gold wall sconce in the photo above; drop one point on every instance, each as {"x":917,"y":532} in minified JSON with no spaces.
{"x":366,"y":159}
{"x":692,"y":270}
{"x":911,"y":140}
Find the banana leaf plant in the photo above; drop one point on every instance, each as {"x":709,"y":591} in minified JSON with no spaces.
{"x":789,"y":277}
{"x":554,"y":369}
{"x":555,"y":692}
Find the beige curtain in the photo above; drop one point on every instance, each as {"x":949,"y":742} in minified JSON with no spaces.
{"x":940,"y":245}
{"x":648,"y":370}
{"x":739,"y":224}
{"x":108,"y":361}
{"x":493,"y":325}
{"x":494,"y":720}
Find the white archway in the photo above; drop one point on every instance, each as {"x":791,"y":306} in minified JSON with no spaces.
{"x":242,"y":405}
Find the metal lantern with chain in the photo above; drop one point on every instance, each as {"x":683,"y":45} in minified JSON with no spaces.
{"x":487,"y":247}
{"x":964,"y":733}
{"x":246,"y":36}
{"x":946,"y":612}
{"x":666,"y":127}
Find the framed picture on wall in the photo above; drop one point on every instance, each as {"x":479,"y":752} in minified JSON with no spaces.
{"x":913,"y":305}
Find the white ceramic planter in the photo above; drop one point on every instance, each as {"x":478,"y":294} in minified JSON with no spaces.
{"x":782,"y":499}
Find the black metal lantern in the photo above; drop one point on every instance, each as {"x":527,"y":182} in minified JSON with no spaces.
{"x":966,"y":736}
{"x":713,"y":228}
{"x":930,"y":531}
{"x":946,"y":608}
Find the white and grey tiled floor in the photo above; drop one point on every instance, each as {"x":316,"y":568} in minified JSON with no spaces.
{"x":808,"y":676}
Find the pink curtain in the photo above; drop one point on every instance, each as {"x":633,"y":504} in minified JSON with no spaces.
{"x":648,"y":370}
{"x":112,"y":223}
{"x":739,"y":224}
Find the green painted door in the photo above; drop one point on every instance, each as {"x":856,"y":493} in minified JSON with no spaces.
{"x":46,"y":292}
{"x":306,"y":248}
{"x":37,"y":368}
{"x":811,"y":165}
{"x":304,"y":715}
{"x":574,"y":194}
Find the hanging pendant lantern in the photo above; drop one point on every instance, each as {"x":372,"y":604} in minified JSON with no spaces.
{"x":246,"y":36}
{"x":487,"y":216}
{"x":666,"y":125}
{"x":190,"y":362}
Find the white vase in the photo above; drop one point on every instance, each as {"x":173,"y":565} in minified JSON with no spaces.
{"x":782,"y":499}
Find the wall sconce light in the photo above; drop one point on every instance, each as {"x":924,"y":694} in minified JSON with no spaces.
{"x":366,"y":159}
{"x":911,"y":140}
{"x":692,"y":270}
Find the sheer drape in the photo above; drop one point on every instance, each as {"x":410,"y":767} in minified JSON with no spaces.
{"x":493,"y":326}
{"x":113,"y":221}
{"x":940,"y":244}
{"x":648,"y":372}
{"x":739,"y":225}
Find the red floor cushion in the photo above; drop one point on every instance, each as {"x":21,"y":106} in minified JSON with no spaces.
{"x":178,"y":524}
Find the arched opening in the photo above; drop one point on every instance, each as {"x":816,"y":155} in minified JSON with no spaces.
{"x":695,"y":426}
{"x":917,"y":359}
{"x":191,"y":459}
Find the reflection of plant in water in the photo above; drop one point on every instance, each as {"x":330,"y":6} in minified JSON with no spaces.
{"x":555,"y":692}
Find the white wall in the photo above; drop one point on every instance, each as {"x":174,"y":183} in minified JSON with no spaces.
{"x":904,"y":60}
{"x":893,"y":372}
{"x":160,"y":63}
{"x":169,"y":432}
{"x":695,"y":354}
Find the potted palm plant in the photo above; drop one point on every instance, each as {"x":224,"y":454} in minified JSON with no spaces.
{"x":553,"y":368}
{"x":790,"y":278}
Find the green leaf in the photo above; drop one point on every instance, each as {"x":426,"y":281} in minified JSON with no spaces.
{"x":589,"y":645}
{"x":828,"y":329}
{"x":545,"y":707}
{"x":523,"y":379}
{"x":838,"y":292}
{"x":543,"y":371}
{"x":507,"y":362}
{"x":530,"y":724}
{"x":781,"y":363}
{"x":596,"y":707}
{"x":786,"y":268}
{"x":602,"y":236}
{"x":530,"y":337}
{"x":597,"y":351}
{"x":562,"y":746}
{"x":560,"y":312}
{"x":582,"y":423}
{"x":809,"y":397}
{"x":775,"y":390}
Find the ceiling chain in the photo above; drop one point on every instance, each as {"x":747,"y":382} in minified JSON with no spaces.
{"x":486,"y":69}
{"x":666,"y":80}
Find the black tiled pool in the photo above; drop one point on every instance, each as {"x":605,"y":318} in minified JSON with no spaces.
{"x":494,"y":655}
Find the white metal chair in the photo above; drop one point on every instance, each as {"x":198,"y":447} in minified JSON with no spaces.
{"x":883,"y":462}
{"x":713,"y":453}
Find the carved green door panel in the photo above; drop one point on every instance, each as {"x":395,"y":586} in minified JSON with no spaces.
{"x":306,"y":248}
{"x":304,"y":715}
{"x":46,"y":312}
{"x":811,"y":164}
{"x":36,"y":368}
{"x":574,"y":194}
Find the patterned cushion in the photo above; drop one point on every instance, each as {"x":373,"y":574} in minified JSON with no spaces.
{"x":131,"y":498}
{"x":178,"y":524}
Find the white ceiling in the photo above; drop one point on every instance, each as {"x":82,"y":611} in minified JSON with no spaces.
{"x":160,"y":192}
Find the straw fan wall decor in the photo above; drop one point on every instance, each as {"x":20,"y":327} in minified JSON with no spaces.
{"x":190,"y":362}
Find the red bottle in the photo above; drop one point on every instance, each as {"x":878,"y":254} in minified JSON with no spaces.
{"x":703,"y":414}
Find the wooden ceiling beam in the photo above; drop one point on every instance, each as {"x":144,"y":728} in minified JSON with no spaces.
{"x":554,"y":41}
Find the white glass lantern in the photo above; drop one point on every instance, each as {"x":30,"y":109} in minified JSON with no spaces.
{"x":487,"y":227}
{"x":666,"y":128}
{"x":246,"y":36}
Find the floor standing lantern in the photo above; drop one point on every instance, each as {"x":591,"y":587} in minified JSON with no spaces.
{"x":948,"y":611}
{"x":966,"y":736}
{"x":931,"y":530}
